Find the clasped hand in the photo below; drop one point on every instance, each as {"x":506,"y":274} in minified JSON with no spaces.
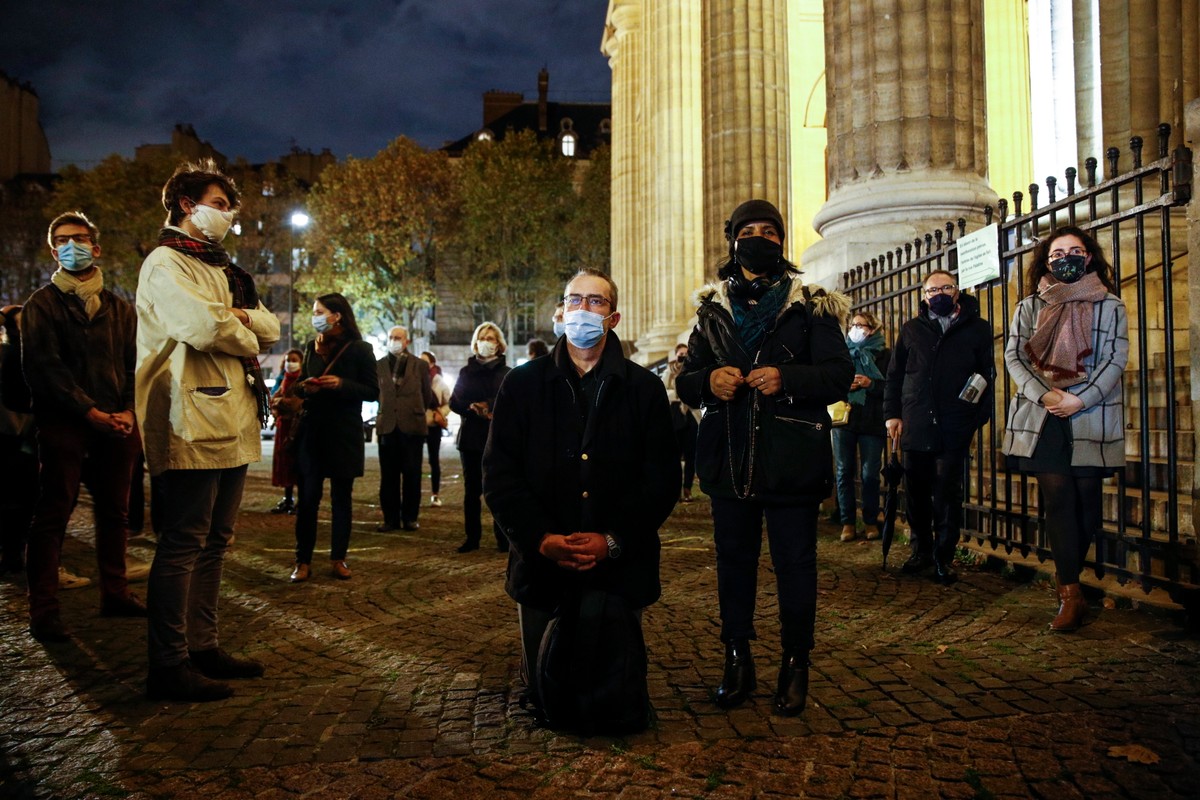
{"x":724,"y":382}
{"x":313,"y":385}
{"x":579,"y":551}
{"x":1061,"y":403}
{"x":119,"y":425}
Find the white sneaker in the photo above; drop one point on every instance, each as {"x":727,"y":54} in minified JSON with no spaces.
{"x":136,"y":570}
{"x":435,"y":500}
{"x":68,"y":581}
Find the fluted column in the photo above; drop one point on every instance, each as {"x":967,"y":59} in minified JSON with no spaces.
{"x":746,"y":123}
{"x":621,"y":45}
{"x":906,"y":124}
{"x":673,"y":228}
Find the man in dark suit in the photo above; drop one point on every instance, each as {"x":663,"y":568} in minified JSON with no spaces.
{"x":405,"y":391}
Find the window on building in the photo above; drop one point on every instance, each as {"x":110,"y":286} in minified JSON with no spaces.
{"x":567,"y":143}
{"x":484,"y":136}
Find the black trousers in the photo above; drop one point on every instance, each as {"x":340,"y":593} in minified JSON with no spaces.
{"x":792,"y":534}
{"x":472,"y":464}
{"x":934,"y":495}
{"x":400,"y":477}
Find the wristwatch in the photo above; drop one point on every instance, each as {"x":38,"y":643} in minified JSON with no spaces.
{"x":614,"y":549}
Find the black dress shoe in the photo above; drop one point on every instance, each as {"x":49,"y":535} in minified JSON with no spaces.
{"x":467,"y":547}
{"x":791,"y":692}
{"x":737,"y":684}
{"x":942,"y":571}
{"x":284,"y":506}
{"x":917,"y":562}
{"x":184,"y":684}
{"x":412,"y":525}
{"x":219,"y":665}
{"x":384,"y":527}
{"x":49,"y":630}
{"x":128,"y":606}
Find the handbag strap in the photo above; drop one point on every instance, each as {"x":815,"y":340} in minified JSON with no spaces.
{"x":329,"y":366}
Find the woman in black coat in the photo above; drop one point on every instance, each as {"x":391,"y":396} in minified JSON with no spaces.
{"x":339,"y":374}
{"x":765,"y":359}
{"x":474,"y":393}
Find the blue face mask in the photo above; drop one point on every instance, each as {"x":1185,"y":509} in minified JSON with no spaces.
{"x":321,"y":322}
{"x":74,"y":257}
{"x":560,"y":328}
{"x":584,"y":329}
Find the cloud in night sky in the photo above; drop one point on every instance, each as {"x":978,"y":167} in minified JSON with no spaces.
{"x":255,"y":77}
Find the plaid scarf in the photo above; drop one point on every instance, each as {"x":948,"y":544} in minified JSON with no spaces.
{"x":1062,"y":338}
{"x":245,"y":295}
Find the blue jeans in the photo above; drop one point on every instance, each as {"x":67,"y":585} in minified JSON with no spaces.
{"x":792,"y":534}
{"x":847,"y":445}
{"x":185,"y":578}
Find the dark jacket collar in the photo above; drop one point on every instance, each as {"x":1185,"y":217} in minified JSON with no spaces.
{"x":612,"y":360}
{"x":968,"y":310}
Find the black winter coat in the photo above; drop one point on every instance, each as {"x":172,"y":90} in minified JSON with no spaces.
{"x":331,"y":441}
{"x":773,"y":449}
{"x":547,"y":471}
{"x":73,"y":363}
{"x":477,"y":382}
{"x":928,"y":371}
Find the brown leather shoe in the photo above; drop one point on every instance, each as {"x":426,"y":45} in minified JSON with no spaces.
{"x":301,"y":573}
{"x":1071,"y":609}
{"x":849,"y":533}
{"x":340,"y":570}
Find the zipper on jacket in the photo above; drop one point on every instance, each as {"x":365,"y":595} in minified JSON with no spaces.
{"x":816,"y":426}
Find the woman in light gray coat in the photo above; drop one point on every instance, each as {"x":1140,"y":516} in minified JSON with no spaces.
{"x":1067,"y":350}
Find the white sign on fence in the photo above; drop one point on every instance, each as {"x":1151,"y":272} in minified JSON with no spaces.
{"x":979,"y":257}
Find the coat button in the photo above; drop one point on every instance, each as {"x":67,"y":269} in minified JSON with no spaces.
{"x":585,"y":494}
{"x":584,"y":456}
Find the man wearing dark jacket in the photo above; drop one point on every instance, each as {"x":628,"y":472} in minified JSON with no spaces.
{"x":78,"y":353}
{"x":580,"y":468}
{"x":935,"y":355}
{"x":405,"y":392}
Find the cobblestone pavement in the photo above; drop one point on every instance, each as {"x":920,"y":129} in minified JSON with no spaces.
{"x":401,"y":682}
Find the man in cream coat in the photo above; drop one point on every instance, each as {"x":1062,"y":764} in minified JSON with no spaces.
{"x":200,"y":398}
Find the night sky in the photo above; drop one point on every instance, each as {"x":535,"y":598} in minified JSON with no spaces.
{"x":259,"y":76}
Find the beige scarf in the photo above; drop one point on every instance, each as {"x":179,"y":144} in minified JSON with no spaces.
{"x":1063,"y":338}
{"x":88,"y":290}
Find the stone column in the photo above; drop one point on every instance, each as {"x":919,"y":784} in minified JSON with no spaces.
{"x":746,"y":122}
{"x":621,"y":45}
{"x":672,"y":221}
{"x":906,"y":122}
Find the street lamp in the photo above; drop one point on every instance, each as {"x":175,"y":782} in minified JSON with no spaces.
{"x":299,"y":222}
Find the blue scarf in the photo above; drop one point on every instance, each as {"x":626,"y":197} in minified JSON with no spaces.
{"x":863,"y":354}
{"x":753,"y":321}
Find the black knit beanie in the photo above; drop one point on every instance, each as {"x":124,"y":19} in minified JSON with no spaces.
{"x":751,"y":211}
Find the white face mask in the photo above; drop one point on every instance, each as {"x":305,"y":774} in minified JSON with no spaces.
{"x":485,"y":349}
{"x":395,"y":346}
{"x":213,"y":223}
{"x":291,"y":367}
{"x":857,"y":335}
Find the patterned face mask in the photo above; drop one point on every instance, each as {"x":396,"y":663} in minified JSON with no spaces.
{"x":1068,"y":269}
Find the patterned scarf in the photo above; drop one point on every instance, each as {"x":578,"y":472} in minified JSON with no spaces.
{"x":87,"y":289}
{"x":245,"y":295}
{"x":754,"y":320}
{"x":1063,"y":334}
{"x":863,"y":353}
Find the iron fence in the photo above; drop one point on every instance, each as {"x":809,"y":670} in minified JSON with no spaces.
{"x":1137,"y":216}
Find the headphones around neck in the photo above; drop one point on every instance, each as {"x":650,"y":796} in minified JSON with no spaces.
{"x":738,"y":286}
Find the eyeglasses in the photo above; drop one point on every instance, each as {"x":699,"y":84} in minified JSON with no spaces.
{"x":949,"y":288}
{"x":592,"y":301}
{"x":861,"y":326}
{"x":81,"y":238}
{"x":1074,"y":251}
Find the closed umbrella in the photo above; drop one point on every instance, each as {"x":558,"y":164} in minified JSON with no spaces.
{"x":893,"y":473}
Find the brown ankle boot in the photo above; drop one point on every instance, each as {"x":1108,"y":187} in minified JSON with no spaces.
{"x":1071,"y":608}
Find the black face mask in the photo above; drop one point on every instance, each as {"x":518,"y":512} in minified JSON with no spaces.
{"x":759,"y":255}
{"x":1068,"y":269}
{"x":941,"y":304}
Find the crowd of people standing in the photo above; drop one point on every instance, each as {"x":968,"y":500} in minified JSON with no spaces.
{"x":577,"y":451}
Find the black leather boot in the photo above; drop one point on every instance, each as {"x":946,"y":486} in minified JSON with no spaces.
{"x":738,"y":682}
{"x":791,"y":693}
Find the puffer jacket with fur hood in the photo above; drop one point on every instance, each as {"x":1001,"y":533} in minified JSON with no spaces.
{"x":773,"y":449}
